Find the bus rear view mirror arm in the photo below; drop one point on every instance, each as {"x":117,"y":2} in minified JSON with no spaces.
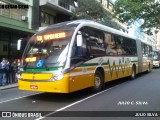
{"x":19,"y":44}
{"x":79,"y":40}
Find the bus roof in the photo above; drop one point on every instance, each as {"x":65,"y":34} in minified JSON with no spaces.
{"x":75,"y":23}
{"x":62,"y":25}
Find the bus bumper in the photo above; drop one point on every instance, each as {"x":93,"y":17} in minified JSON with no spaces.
{"x":58,"y":86}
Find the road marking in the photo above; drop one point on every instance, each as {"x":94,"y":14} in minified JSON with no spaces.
{"x":18,"y":98}
{"x":70,"y":105}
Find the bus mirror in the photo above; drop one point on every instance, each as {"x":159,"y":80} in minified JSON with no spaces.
{"x":79,"y":40}
{"x":19,"y":44}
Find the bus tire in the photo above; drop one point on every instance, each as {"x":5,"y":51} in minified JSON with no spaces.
{"x":133,"y":74}
{"x":149,"y":68}
{"x":98,"y":82}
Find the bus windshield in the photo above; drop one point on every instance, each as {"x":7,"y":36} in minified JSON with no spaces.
{"x":47,"y":49}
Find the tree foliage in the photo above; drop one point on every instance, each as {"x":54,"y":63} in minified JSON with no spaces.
{"x":93,"y":10}
{"x":129,"y":11}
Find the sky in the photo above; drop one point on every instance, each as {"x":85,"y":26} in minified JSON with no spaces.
{"x":113,"y":0}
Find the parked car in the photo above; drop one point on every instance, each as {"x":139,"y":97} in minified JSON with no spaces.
{"x":156,"y":58}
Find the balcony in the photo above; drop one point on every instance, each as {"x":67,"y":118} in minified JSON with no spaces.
{"x":54,"y":4}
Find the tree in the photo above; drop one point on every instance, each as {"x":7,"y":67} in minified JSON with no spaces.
{"x":129,"y":11}
{"x":93,"y":10}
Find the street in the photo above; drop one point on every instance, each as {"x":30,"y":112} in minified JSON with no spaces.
{"x":141,"y":94}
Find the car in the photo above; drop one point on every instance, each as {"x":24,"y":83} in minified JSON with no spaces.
{"x":156,"y":59}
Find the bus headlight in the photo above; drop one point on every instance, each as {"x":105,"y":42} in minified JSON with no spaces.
{"x":58,"y":77}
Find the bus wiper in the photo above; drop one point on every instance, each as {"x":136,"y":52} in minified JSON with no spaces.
{"x":53,"y":65}
{"x":24,"y":65}
{"x":45,"y":66}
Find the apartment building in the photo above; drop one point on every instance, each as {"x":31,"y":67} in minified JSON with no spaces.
{"x":15,"y":22}
{"x":158,"y":40}
{"x":22,"y":18}
{"x":133,"y":30}
{"x":108,"y":5}
{"x":55,"y":11}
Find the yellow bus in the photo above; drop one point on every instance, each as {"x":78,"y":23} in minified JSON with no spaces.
{"x":75,"y":55}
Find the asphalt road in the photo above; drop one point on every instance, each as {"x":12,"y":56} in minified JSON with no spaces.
{"x":141,"y":94}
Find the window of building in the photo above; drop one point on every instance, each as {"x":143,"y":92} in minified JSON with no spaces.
{"x":51,"y":20}
{"x":42,"y":17}
{"x":4,"y":40}
{"x":65,"y":3}
{"x":47,"y":19}
{"x":5,"y":48}
{"x":6,"y":12}
{"x":13,"y":13}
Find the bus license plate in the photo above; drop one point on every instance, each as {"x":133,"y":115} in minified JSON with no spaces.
{"x":35,"y":87}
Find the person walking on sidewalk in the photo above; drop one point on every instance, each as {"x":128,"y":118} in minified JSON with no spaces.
{"x":14,"y":71}
{"x":3,"y":70}
{"x":18,"y":68}
{"x":8,"y":72}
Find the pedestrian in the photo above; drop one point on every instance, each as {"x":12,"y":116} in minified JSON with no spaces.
{"x":3,"y":70}
{"x":18,"y":67}
{"x":8,"y":72}
{"x":14,"y":71}
{"x":18,"y":63}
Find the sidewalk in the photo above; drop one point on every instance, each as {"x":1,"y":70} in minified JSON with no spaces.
{"x":8,"y":86}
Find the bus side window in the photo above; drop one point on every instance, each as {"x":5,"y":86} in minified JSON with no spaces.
{"x":120,"y":46}
{"x":144,"y":49}
{"x":95,"y":42}
{"x":130,"y":47}
{"x":110,"y":44}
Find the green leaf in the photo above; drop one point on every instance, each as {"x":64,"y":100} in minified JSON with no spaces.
{"x":129,"y":11}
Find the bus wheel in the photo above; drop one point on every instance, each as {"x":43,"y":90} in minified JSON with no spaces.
{"x":133,"y":74}
{"x":98,"y":82}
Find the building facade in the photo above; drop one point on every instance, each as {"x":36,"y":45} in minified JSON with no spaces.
{"x":22,"y":18}
{"x":24,"y":21}
{"x":133,"y":30}
{"x":55,"y":11}
{"x":15,"y":23}
{"x":108,"y":5}
{"x":158,"y":41}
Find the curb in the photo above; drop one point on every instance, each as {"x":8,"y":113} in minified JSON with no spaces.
{"x":8,"y":86}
